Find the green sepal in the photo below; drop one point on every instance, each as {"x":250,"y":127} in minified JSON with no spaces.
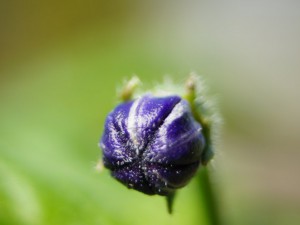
{"x":202,"y":112}
{"x":170,"y":201}
{"x":128,"y":89}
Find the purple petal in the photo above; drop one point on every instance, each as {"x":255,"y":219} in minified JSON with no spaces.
{"x":152,"y":144}
{"x":179,"y":139}
{"x":115,"y":140}
{"x":146,"y":116}
{"x":133,"y":177}
{"x":170,"y":177}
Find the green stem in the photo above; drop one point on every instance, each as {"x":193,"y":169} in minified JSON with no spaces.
{"x":206,"y":190}
{"x":208,"y":197}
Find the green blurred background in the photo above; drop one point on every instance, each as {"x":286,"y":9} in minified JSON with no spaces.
{"x":60,"y":64}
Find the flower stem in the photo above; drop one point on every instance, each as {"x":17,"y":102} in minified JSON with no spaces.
{"x":208,"y":197}
{"x":206,"y":191}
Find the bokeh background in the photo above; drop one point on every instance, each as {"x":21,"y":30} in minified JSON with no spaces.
{"x":60,"y":63}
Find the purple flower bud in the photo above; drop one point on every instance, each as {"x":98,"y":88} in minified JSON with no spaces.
{"x":152,"y":144}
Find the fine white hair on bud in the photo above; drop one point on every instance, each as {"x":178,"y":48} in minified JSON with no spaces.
{"x":155,"y":141}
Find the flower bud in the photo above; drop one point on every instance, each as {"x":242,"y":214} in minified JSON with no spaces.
{"x":153,"y":144}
